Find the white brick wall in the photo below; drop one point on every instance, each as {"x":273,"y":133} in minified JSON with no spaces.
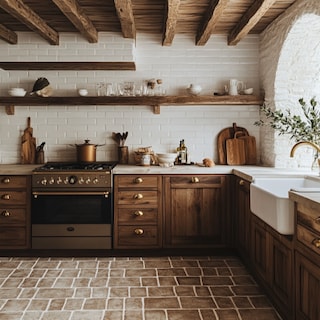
{"x":290,"y":69}
{"x":179,"y":65}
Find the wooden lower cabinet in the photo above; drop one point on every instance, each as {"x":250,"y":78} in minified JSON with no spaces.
{"x":137,"y":211}
{"x":242,"y":219}
{"x":272,"y":265}
{"x":307,"y":260}
{"x":307,"y":288}
{"x":15,"y":195}
{"x":197,"y":211}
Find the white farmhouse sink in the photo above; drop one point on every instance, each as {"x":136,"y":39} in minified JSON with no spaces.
{"x":269,"y":199}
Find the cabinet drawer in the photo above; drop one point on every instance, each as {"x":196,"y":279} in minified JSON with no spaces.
{"x":138,"y":236}
{"x":309,"y":238}
{"x":196,"y":181}
{"x":137,"y":181}
{"x":10,"y":182}
{"x":137,"y":216}
{"x":10,"y":237}
{"x":308,"y":217}
{"x":13,"y":197}
{"x":11,"y":216}
{"x":137,"y":197}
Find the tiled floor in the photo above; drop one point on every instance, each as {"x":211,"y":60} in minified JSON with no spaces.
{"x":162,"y":288}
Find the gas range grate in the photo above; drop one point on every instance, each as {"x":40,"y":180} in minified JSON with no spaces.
{"x":78,"y":166}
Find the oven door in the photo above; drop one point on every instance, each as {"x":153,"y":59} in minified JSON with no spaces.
{"x":68,"y":220}
{"x":80,"y":208}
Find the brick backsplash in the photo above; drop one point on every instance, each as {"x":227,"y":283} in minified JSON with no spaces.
{"x":183,"y":63}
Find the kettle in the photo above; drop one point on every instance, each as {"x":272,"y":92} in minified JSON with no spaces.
{"x":235,"y":87}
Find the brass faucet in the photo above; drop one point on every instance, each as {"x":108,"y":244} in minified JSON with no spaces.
{"x":303,"y":143}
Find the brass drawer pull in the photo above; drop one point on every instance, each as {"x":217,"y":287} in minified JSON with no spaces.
{"x":6,"y":197}
{"x":5,"y":213}
{"x":138,"y":196}
{"x":138,"y":232}
{"x":195,"y":180}
{"x":6,"y":180}
{"x":316,"y":242}
{"x":241,"y":182}
{"x":317,"y":220}
{"x":138,"y":180}
{"x":138,"y":213}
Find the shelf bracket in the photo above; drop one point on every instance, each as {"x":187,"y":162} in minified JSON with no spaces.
{"x":9,"y":110}
{"x":156,"y":109}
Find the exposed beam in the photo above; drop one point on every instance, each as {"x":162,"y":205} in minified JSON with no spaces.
{"x":125,"y":15}
{"x":249,"y":20}
{"x":24,"y":14}
{"x":72,"y":10}
{"x":8,"y":35}
{"x":172,"y":12}
{"x":210,"y":21}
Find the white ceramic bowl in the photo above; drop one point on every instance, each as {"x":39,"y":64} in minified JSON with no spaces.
{"x":83,"y":92}
{"x":17,"y":92}
{"x":166,"y":158}
{"x":248,"y":91}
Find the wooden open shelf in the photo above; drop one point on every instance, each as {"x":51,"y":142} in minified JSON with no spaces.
{"x":154,"y":101}
{"x":90,"y":65}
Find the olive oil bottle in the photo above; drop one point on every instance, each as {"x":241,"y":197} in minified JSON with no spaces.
{"x":182,"y":153}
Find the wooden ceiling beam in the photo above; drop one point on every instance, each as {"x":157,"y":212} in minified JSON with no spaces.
{"x":172,"y":13}
{"x":249,"y":20}
{"x":211,"y":19}
{"x":8,"y":35}
{"x":125,"y":15}
{"x":24,"y":14}
{"x":73,"y":11}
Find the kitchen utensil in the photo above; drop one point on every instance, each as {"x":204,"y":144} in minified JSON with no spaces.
{"x":223,"y":135}
{"x":250,"y":149}
{"x":28,"y":145}
{"x":235,"y":150}
{"x":86,"y":152}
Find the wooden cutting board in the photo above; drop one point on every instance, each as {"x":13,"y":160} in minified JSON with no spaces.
{"x":224,"y":134}
{"x":250,"y":149}
{"x":235,"y":149}
{"x":28,"y":145}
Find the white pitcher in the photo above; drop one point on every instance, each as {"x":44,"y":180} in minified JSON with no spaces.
{"x":235,"y":87}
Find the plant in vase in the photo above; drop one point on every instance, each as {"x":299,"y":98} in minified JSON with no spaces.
{"x":304,"y":127}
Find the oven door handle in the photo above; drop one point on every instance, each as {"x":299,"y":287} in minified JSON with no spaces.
{"x":72,"y":193}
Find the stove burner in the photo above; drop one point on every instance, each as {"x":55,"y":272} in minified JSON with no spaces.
{"x":69,"y":166}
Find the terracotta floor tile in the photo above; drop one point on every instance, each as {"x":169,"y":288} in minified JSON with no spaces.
{"x":130,"y":288}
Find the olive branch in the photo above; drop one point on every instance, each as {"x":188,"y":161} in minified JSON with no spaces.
{"x":307,"y":129}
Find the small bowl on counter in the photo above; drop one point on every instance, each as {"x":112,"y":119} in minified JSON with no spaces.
{"x":17,"y":92}
{"x":166,"y":159}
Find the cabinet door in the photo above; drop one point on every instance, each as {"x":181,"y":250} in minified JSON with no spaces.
{"x":242,"y":218}
{"x":281,"y":274}
{"x":196,"y":211}
{"x":307,"y":288}
{"x":259,"y":247}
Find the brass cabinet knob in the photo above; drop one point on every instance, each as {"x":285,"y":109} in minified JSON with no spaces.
{"x":317,"y":220}
{"x":138,"y":213}
{"x":138,"y":180}
{"x":241,"y":182}
{"x":6,"y":197}
{"x":5,"y":213}
{"x":316,"y":242}
{"x":195,"y":180}
{"x":138,"y":232}
{"x":138,"y":196}
{"x":6,"y":180}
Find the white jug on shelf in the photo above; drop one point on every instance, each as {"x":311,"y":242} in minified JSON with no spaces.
{"x":235,"y":87}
